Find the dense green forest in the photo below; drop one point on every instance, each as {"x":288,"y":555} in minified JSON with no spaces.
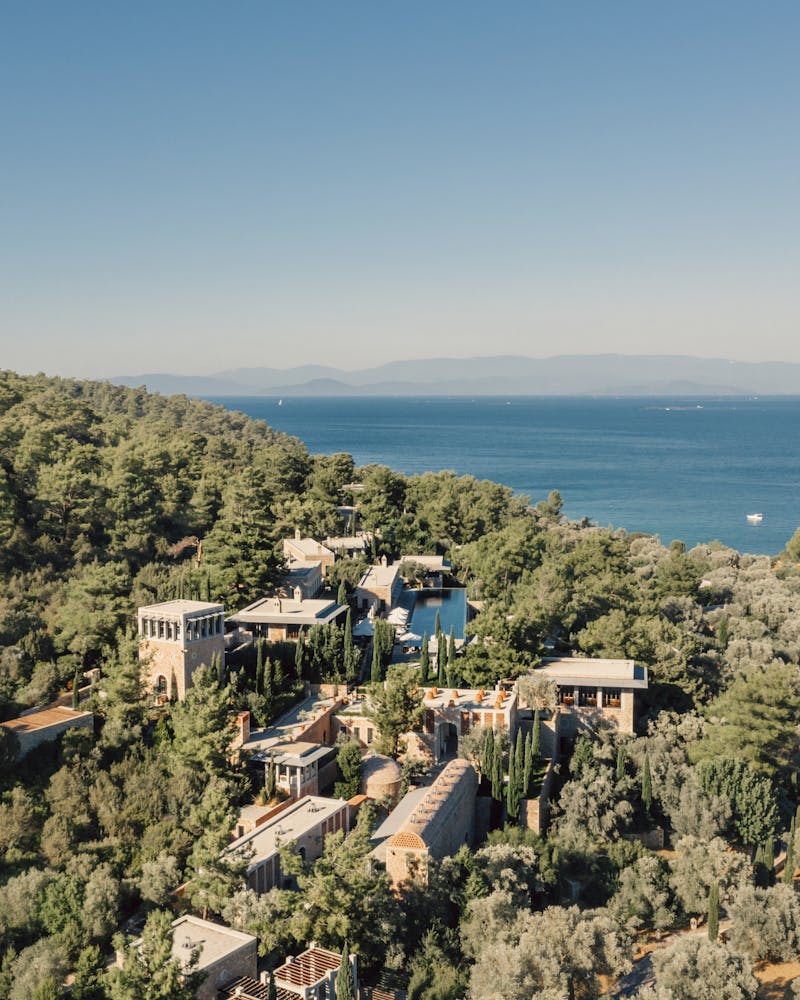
{"x":111,"y":498}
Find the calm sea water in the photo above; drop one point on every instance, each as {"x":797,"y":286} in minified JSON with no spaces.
{"x":679,"y":469}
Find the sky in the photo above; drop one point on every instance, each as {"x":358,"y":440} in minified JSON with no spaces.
{"x":194,"y":186}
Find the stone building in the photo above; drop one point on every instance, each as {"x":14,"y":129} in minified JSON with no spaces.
{"x":175,"y":638}
{"x":381,"y":778}
{"x":224,"y":953}
{"x":278,"y":619}
{"x":307,"y":550}
{"x":45,"y":725}
{"x":593,"y":689}
{"x":441,"y":821}
{"x":379,"y":588}
{"x":310,"y":975}
{"x":305,"y":824}
{"x":451,"y":713}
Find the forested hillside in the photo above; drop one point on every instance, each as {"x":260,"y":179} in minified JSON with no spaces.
{"x":111,"y":498}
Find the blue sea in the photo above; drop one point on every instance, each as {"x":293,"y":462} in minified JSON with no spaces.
{"x":677,"y":468}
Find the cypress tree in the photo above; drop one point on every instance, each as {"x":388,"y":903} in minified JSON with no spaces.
{"x":259,"y":666}
{"x":487,"y":759}
{"x":536,"y":745}
{"x":272,"y":992}
{"x":299,"y":656}
{"x":208,"y":588}
{"x":268,"y":690}
{"x":788,"y":865}
{"x":451,"y":649}
{"x":424,"y":662}
{"x":441,"y":657}
{"x":497,"y":771}
{"x":512,"y":789}
{"x":271,"y":786}
{"x":76,"y":685}
{"x":437,"y":630}
{"x":519,"y":764}
{"x":759,"y":871}
{"x":528,"y":765}
{"x":349,"y":648}
{"x":377,"y":673}
{"x":713,"y":911}
{"x":173,"y":687}
{"x":345,"y":989}
{"x":341,"y":596}
{"x":620,"y":762}
{"x":647,"y":785}
{"x":769,"y":860}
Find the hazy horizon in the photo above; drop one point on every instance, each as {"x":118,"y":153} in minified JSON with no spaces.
{"x":190,"y":189}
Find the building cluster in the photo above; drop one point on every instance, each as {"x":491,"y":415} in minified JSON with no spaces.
{"x":297,"y":755}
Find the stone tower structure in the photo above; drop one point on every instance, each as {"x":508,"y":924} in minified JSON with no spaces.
{"x":175,"y":638}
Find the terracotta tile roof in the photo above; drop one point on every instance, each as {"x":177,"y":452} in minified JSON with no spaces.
{"x":404,"y":839}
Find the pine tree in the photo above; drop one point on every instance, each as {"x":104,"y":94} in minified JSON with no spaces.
{"x":620,"y":762}
{"x":76,"y":686}
{"x":424,"y":662}
{"x":271,"y":785}
{"x":536,"y":747}
{"x":345,"y":988}
{"x":713,"y":911}
{"x":341,"y":596}
{"x":647,"y":785}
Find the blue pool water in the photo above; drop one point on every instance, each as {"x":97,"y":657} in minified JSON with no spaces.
{"x":680,"y":468}
{"x":451,"y":604}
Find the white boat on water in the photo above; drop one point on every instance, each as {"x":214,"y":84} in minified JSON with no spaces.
{"x":755,"y":518}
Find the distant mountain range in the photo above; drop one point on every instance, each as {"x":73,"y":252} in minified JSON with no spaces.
{"x":563,"y":375}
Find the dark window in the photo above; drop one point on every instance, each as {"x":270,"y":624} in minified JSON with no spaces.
{"x":587,"y":697}
{"x":612,"y":698}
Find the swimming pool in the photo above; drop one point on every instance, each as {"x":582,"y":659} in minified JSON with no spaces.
{"x":451,"y":604}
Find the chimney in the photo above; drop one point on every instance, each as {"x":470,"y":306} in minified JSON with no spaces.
{"x":297,"y":534}
{"x":384,"y":561}
{"x":298,"y":594}
{"x":243,"y":722}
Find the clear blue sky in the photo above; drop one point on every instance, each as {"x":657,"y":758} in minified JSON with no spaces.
{"x":194,"y":186}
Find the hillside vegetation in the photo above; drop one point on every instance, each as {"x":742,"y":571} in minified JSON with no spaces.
{"x":111,"y":498}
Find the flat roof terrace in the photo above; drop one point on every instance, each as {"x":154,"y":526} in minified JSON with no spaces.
{"x":583,"y":671}
{"x":47,"y":717}
{"x":215,"y":941}
{"x":300,"y":818}
{"x":287,"y":611}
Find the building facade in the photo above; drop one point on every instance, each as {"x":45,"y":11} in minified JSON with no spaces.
{"x":175,"y":638}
